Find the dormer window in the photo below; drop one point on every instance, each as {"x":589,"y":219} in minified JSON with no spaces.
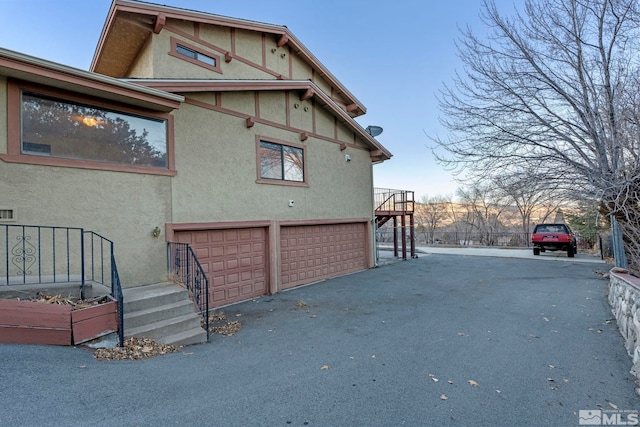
{"x":195,"y":55}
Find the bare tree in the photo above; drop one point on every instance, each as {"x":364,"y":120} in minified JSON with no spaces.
{"x":486,"y":207}
{"x":554,"y":89}
{"x":530,"y":196}
{"x":429,"y":214}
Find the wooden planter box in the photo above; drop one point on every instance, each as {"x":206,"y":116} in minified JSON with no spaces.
{"x":93,"y":322}
{"x":27,"y":322}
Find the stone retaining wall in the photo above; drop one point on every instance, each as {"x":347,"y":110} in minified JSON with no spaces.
{"x":624,"y":298}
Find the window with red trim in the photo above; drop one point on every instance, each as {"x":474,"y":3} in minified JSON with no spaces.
{"x":63,"y":129}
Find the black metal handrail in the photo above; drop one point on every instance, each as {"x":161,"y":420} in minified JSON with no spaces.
{"x":185,"y":269}
{"x":97,"y":272}
{"x":36,"y":254}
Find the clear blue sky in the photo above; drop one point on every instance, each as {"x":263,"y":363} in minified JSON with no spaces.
{"x":392,"y":55}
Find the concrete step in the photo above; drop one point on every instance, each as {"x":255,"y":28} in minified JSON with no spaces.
{"x":135,"y":319}
{"x":192,"y":336}
{"x":163,"y":328}
{"x":149,"y":296}
{"x":163,"y":312}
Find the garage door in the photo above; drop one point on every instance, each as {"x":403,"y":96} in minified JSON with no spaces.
{"x":310,"y":253}
{"x":234,"y":260}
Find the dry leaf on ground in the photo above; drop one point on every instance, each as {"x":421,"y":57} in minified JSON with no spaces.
{"x":135,"y":349}
{"x":473,"y":383}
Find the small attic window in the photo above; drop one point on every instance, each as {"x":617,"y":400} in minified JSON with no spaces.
{"x":182,"y":50}
{"x":195,"y":55}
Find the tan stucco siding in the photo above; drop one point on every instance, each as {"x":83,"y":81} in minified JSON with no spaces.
{"x":217,"y":36}
{"x":273,"y":106}
{"x":243,"y":102}
{"x":123,"y":207}
{"x":142,"y":67}
{"x":3,"y":117}
{"x":338,"y":188}
{"x":301,"y":113}
{"x":300,"y":70}
{"x":184,"y":26}
{"x":324,"y":123}
{"x":167,"y":66}
{"x":249,"y":46}
{"x":217,"y":172}
{"x":322,"y":84}
{"x":345,"y":134}
{"x":277,"y":58}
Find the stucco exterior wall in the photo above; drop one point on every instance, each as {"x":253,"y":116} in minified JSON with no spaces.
{"x":216,"y":35}
{"x":166,"y":66}
{"x":243,"y":102}
{"x":217,"y":172}
{"x":253,"y":59}
{"x":301,"y":113}
{"x":142,"y":68}
{"x":277,"y":58}
{"x":273,"y":107}
{"x":300,"y":70}
{"x":325,"y":123}
{"x":123,"y":207}
{"x":249,"y":46}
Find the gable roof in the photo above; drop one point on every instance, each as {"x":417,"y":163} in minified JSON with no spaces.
{"x":130,"y":23}
{"x":306,"y":88}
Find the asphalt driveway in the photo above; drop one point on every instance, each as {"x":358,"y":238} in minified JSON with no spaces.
{"x":441,"y":340}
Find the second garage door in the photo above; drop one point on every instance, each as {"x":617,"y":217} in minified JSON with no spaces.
{"x":309,"y":253}
{"x":234,"y":260}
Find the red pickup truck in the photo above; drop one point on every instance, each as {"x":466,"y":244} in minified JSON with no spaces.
{"x":553,"y":237}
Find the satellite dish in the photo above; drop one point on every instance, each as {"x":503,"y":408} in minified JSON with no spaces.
{"x":374,"y":130}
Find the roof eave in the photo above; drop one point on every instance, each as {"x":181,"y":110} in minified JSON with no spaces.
{"x":28,"y":68}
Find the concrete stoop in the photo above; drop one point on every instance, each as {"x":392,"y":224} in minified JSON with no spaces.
{"x":162,"y":312}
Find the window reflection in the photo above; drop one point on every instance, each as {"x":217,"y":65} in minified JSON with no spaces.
{"x":281,"y":162}
{"x":57,"y":128}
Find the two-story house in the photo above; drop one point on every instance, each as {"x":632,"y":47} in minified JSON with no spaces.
{"x":222,"y":133}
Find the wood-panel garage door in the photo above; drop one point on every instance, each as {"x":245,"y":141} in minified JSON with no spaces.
{"x":309,"y":253}
{"x":234,"y":260}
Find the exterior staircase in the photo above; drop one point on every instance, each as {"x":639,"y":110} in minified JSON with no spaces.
{"x":162,"y":312}
{"x":393,"y":205}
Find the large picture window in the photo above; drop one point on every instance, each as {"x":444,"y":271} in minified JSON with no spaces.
{"x":281,"y":162}
{"x":63,"y":129}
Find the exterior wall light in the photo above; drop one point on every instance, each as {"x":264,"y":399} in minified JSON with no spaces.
{"x":156,"y":232}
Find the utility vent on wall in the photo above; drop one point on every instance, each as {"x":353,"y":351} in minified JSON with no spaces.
{"x":7,"y":215}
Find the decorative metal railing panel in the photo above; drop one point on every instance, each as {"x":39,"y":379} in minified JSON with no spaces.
{"x":35,"y":254}
{"x":185,"y":269}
